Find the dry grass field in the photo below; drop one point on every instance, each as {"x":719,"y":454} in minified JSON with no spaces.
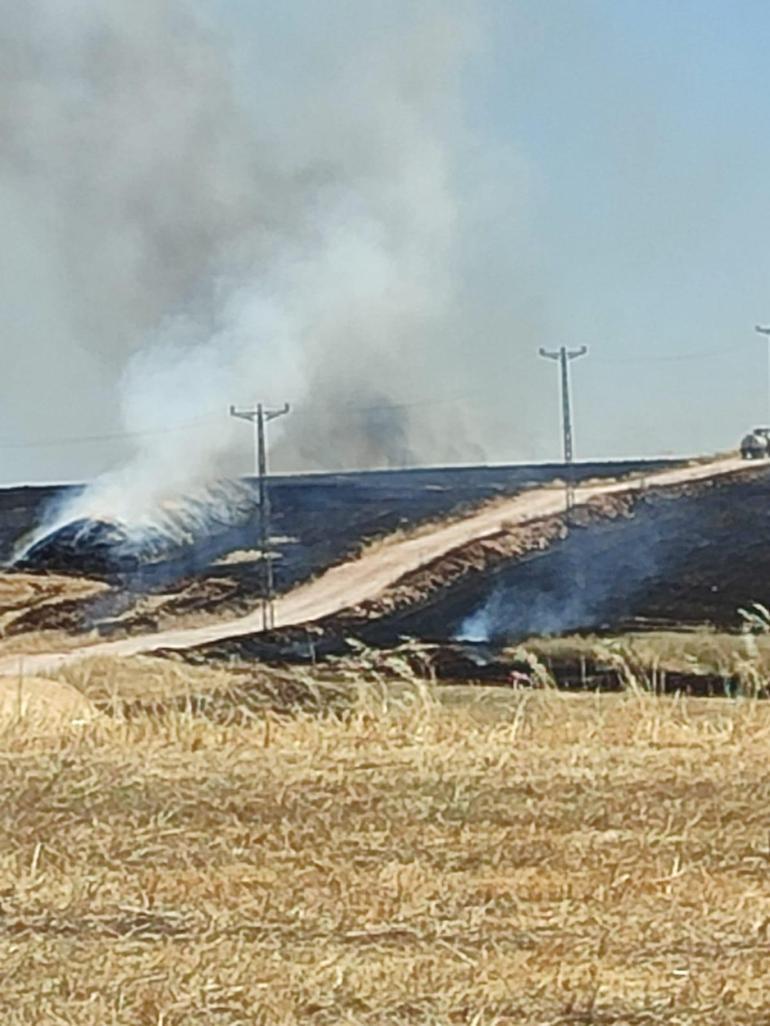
{"x":647,"y":659}
{"x":430,"y":856}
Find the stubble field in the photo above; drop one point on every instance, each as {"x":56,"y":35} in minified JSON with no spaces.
{"x":420,"y":855}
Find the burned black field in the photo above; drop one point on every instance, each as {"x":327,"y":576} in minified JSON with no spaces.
{"x":675,"y":559}
{"x":318,"y":520}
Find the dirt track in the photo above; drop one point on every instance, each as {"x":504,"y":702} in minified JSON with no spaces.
{"x":383,"y":564}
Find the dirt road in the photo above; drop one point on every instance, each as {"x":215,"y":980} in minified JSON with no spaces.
{"x":377,"y":568}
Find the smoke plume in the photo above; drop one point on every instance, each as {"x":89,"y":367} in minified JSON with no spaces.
{"x":208,"y":212}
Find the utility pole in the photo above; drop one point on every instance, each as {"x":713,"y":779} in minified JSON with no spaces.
{"x":259,"y":417}
{"x":766,"y":331}
{"x":564,"y":355}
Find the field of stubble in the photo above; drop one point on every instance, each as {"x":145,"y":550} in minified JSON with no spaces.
{"x":444,"y":857}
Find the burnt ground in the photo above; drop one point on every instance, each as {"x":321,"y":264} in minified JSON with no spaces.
{"x":682,"y":558}
{"x":317,"y":520}
{"x":686,"y":558}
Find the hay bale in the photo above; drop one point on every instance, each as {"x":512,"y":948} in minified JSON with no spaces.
{"x":42,"y":702}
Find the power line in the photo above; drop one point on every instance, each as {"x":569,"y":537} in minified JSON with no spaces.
{"x":670,"y":357}
{"x":441,"y":401}
{"x":117,"y":436}
{"x":114,"y":436}
{"x":349,"y":408}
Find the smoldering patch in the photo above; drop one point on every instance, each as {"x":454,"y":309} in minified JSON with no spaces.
{"x":180,"y":536}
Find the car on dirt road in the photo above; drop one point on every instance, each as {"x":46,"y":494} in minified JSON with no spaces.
{"x":756,"y":444}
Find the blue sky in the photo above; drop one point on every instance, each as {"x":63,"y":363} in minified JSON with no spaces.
{"x":644,"y":129}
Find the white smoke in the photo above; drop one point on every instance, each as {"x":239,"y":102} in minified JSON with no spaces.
{"x":230,"y":219}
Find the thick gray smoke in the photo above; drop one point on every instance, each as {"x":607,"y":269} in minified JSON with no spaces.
{"x":206,"y":211}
